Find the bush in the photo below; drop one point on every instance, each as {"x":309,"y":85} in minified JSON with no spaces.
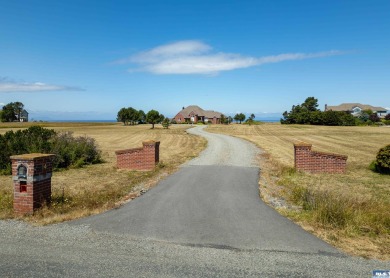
{"x":387,"y":117}
{"x":382,"y":162}
{"x":74,"y":151}
{"x":166,"y":123}
{"x":374,"y":118}
{"x":69,"y":151}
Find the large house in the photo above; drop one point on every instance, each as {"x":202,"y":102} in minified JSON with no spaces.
{"x":356,"y":108}
{"x":195,"y":114}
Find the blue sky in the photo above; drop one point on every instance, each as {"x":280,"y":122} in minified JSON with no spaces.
{"x":86,"y":59}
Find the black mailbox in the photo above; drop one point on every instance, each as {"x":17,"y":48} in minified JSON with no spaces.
{"x":22,"y":172}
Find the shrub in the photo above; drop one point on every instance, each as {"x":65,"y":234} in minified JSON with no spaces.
{"x":166,"y":123}
{"x":374,"y":118}
{"x":69,"y":151}
{"x":74,"y":151}
{"x":387,"y":117}
{"x":382,"y":162}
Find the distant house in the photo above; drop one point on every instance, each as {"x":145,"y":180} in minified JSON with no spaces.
{"x":356,"y":108}
{"x":23,"y":116}
{"x":195,"y":114}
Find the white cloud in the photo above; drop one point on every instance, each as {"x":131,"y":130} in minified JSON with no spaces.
{"x":7,"y":86}
{"x":195,"y":57}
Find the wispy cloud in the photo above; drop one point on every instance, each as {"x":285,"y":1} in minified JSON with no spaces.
{"x":196,"y":57}
{"x":9,"y":86}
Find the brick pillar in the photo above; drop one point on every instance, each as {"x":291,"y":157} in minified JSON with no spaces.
{"x":31,"y":175}
{"x":302,"y":156}
{"x":151,"y":151}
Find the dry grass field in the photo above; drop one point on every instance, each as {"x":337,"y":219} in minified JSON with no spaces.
{"x":350,"y":211}
{"x":95,"y":188}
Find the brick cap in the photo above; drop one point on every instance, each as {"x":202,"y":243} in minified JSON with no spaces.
{"x":31,"y":156}
{"x":302,"y":144}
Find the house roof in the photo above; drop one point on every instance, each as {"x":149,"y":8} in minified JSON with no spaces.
{"x":199,"y":111}
{"x":350,"y":106}
{"x":192,"y":108}
{"x":212,"y":114}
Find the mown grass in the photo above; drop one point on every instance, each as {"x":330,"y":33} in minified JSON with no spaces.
{"x":95,"y":188}
{"x":350,"y":211}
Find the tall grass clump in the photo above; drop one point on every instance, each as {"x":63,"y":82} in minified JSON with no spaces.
{"x":343,"y":211}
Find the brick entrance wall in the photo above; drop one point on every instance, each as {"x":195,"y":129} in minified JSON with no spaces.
{"x":33,"y":189}
{"x":144,"y":158}
{"x":318,"y":162}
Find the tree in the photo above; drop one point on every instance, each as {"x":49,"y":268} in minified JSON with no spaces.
{"x":223,"y":119}
{"x":153,"y":117}
{"x":129,"y":115}
{"x":387,"y":117}
{"x":331,"y":118}
{"x":123,"y":116}
{"x":229,"y":119}
{"x":252,"y":116}
{"x":239,"y":117}
{"x":133,"y":115}
{"x":311,"y":104}
{"x":8,"y":114}
{"x":307,"y":113}
{"x":141,"y":117}
{"x":18,"y":108}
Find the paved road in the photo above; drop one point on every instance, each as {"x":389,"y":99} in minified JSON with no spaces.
{"x":206,"y":220}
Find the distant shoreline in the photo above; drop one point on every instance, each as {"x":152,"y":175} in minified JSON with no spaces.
{"x":113,"y":121}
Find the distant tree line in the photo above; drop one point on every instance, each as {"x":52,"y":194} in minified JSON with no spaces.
{"x":240,"y":117}
{"x":131,"y":116}
{"x":11,"y":112}
{"x":308,"y":113}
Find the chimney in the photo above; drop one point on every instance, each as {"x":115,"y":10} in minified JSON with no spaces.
{"x":326,"y":107}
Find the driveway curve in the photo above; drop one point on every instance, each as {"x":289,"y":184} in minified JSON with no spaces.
{"x":214,"y":201}
{"x":224,"y":150}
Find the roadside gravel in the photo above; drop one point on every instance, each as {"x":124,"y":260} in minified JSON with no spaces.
{"x":77,"y":251}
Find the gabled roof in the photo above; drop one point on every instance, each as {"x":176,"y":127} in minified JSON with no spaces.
{"x":212,"y":114}
{"x":350,"y":106}
{"x":192,"y":108}
{"x":199,"y":111}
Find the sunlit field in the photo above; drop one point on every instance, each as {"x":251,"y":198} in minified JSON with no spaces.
{"x":95,"y":188}
{"x":351,"y":211}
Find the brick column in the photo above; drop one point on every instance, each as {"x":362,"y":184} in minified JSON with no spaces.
{"x":302,"y":156}
{"x":151,"y":150}
{"x":31,"y":175}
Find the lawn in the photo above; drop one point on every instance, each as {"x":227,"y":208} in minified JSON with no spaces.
{"x":350,"y":211}
{"x":95,"y":188}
